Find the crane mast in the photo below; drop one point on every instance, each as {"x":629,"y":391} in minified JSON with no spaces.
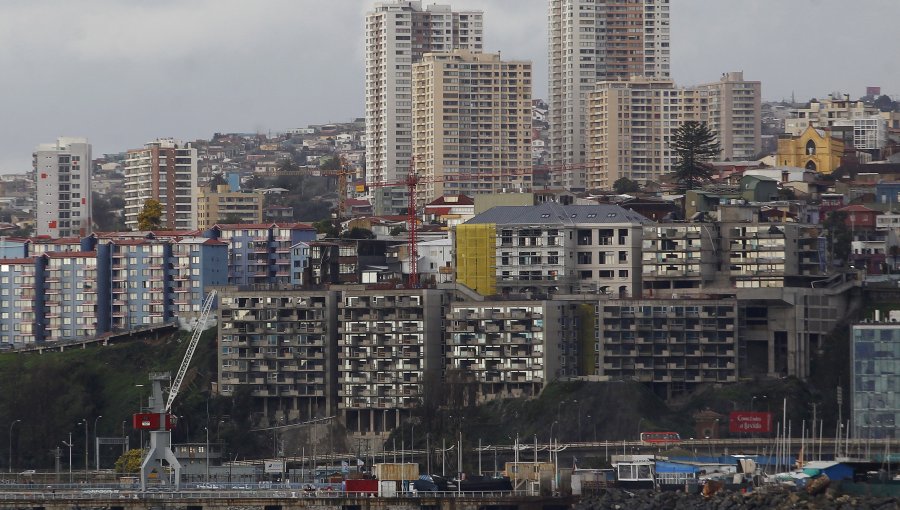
{"x":159,"y":420}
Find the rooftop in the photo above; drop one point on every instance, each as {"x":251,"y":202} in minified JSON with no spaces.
{"x":552,"y":213}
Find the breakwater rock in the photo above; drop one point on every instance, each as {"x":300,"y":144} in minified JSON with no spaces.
{"x":774,"y":499}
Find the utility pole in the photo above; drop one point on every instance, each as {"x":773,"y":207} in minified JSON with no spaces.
{"x":57,"y":454}
{"x":69,"y":444}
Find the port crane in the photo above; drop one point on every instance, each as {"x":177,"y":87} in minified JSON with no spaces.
{"x":158,"y":419}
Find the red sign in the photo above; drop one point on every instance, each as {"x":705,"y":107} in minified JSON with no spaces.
{"x":150,"y":421}
{"x":745,"y":421}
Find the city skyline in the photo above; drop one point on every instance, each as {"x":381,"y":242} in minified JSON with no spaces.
{"x":95,"y":72}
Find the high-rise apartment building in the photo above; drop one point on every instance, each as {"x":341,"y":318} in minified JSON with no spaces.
{"x":591,"y":41}
{"x":471,"y":118}
{"x":629,"y":129}
{"x":62,"y":173}
{"x":735,"y":115}
{"x":398,"y":34}
{"x":166,"y":171}
{"x":630,"y":124}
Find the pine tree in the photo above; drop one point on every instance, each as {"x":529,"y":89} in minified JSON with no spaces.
{"x":693,"y":144}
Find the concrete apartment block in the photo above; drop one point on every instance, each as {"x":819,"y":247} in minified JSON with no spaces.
{"x":280,"y":345}
{"x":389,"y":352}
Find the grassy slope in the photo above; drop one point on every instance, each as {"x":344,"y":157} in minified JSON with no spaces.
{"x":52,"y":392}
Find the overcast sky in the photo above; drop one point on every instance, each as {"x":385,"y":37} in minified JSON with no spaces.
{"x":123,"y":72}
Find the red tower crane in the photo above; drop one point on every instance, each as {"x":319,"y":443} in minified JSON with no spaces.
{"x":411,"y":181}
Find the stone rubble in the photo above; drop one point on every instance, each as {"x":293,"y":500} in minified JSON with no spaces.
{"x":768,"y":499}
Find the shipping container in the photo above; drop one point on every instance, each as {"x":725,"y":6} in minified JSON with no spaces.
{"x":361,"y":486}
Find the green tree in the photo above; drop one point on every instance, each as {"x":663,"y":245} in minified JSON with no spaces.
{"x":254,"y":182}
{"x":358,"y":233}
{"x":885,"y":103}
{"x":26,"y":231}
{"x":287,"y":165}
{"x":693,"y":144}
{"x":327,"y":227}
{"x":332,"y":163}
{"x":625,"y":185}
{"x":216,"y":181}
{"x":107,"y":212}
{"x":150,"y":217}
{"x":232,"y":219}
{"x":130,"y":461}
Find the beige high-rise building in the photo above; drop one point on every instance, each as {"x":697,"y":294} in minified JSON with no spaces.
{"x":629,"y":129}
{"x":735,"y":115}
{"x":631,"y":124}
{"x":398,"y":34}
{"x":225,"y":206}
{"x":166,"y":171}
{"x":471,"y":118}
{"x":591,"y":41}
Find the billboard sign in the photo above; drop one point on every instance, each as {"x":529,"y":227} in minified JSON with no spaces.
{"x":742,"y":422}
{"x":274,"y":466}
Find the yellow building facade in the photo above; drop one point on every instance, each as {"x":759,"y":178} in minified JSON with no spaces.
{"x":476,"y":256}
{"x":814,"y":149}
{"x":215,"y":206}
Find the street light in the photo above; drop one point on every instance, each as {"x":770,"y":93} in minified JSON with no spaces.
{"x":578,"y":436}
{"x":551,"y":439}
{"x":97,"y":459}
{"x":69,"y":444}
{"x":86,"y":448}
{"x":207,"y":454}
{"x":10,"y":443}
{"x":557,"y":408}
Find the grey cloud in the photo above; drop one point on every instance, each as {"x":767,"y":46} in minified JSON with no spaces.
{"x":122,"y":72}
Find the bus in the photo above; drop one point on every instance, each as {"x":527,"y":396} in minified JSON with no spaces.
{"x":660,"y":438}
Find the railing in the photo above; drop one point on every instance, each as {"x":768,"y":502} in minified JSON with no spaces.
{"x":249,"y":491}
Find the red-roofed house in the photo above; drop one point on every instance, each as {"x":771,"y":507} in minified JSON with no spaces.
{"x":450,"y":210}
{"x":860,"y":217}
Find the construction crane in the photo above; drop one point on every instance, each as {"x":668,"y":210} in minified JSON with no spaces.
{"x":342,"y":174}
{"x":159,"y":418}
{"x":412,"y":182}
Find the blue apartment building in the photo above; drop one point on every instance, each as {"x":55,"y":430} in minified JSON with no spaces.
{"x":18,"y":301}
{"x":299,"y":263}
{"x":79,"y":288}
{"x":137,"y":277}
{"x":261,"y":253}
{"x":69,"y":295}
{"x":196,"y":263}
{"x":42,"y":244}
